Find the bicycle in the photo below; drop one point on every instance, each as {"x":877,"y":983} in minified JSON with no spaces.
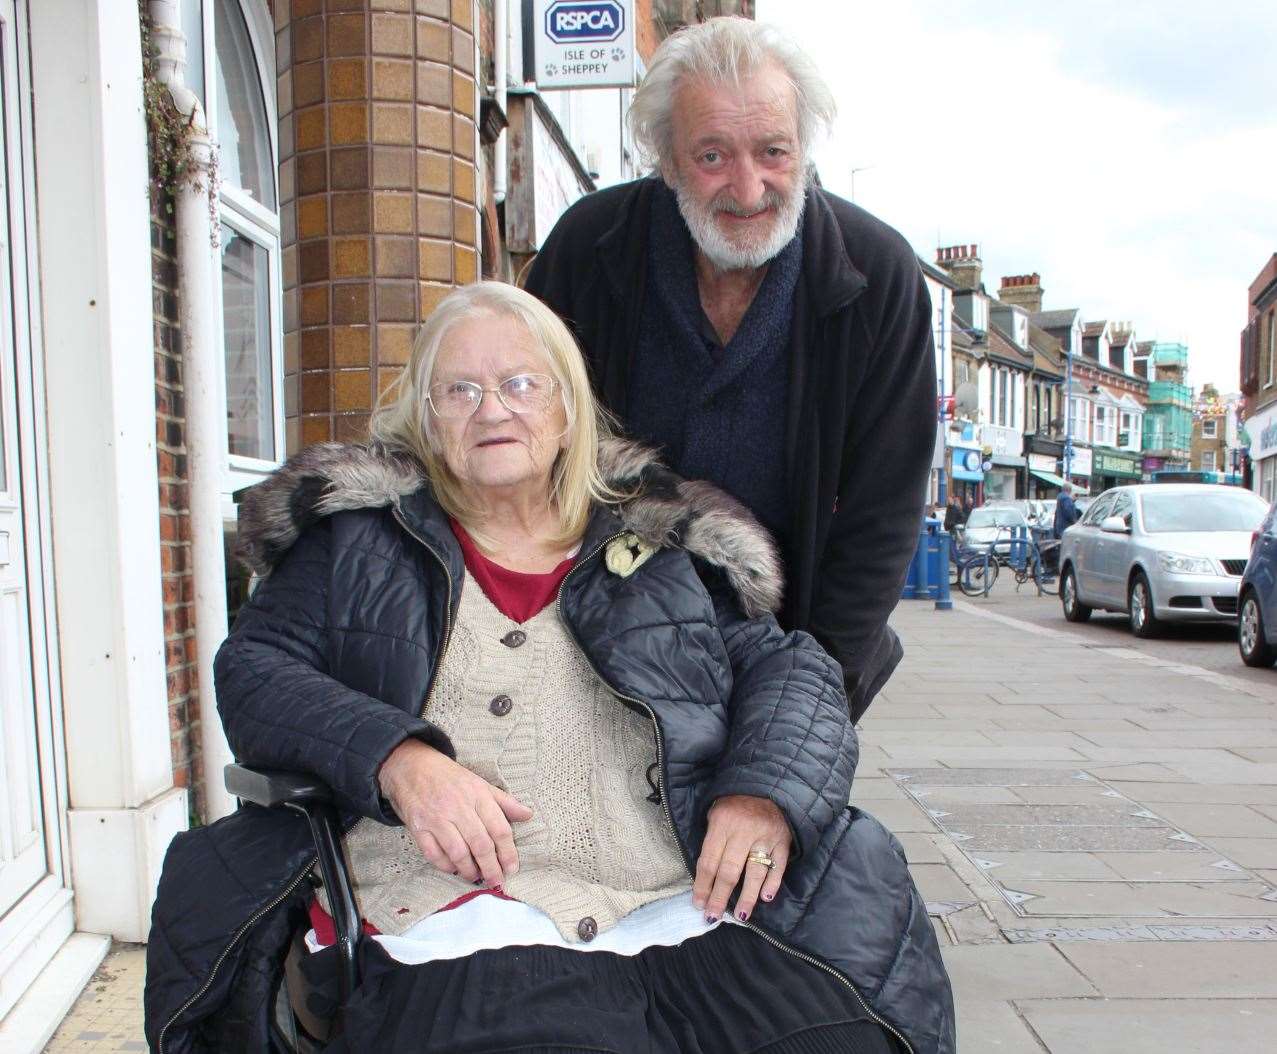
{"x":1042,"y":565}
{"x":972,"y":569}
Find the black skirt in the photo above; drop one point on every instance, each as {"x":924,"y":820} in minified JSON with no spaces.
{"x":726,"y":992}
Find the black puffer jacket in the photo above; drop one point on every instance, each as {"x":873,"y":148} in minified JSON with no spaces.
{"x":327,"y":668}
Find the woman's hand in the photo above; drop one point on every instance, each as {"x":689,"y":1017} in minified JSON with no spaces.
{"x":739,"y":824}
{"x":460,"y":821}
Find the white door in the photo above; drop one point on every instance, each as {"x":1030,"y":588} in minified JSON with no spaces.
{"x":34,"y":905}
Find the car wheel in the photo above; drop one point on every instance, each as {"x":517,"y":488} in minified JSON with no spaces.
{"x":1074,"y":609}
{"x":1139,"y":606}
{"x":1251,"y":641}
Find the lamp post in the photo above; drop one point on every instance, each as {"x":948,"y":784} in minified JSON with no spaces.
{"x":1068,"y":414}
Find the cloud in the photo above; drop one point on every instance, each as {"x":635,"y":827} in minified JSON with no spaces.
{"x":1127,"y":155}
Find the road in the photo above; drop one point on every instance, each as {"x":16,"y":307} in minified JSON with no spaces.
{"x":1212,"y":646}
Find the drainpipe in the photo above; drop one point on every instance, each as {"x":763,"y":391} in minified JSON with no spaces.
{"x":201,"y":383}
{"x":501,"y":37}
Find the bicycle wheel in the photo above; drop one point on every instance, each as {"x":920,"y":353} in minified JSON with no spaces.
{"x":978,"y":577}
{"x":1045,"y":576}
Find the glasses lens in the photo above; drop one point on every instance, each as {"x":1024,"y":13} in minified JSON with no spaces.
{"x":457,"y":399}
{"x":528,"y":392}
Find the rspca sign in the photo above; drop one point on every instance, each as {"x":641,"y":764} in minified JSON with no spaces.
{"x":583,"y":43}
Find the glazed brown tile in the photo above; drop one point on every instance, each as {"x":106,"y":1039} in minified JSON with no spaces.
{"x":434,"y":216}
{"x":292,"y":436}
{"x":463,"y":50}
{"x":292,"y":353}
{"x":349,"y":167}
{"x":352,"y":390}
{"x":463,"y":137}
{"x":312,"y":172}
{"x":308,"y":83}
{"x":386,"y":379}
{"x":292,"y":400}
{"x":392,"y":123}
{"x":308,"y":39}
{"x":289,"y":267}
{"x":463,"y":98}
{"x":431,"y":293}
{"x":316,"y":392}
{"x":463,"y":223}
{"x":347,"y":79}
{"x":465,"y":265}
{"x":392,"y":79}
{"x":352,"y":258}
{"x":347,"y":35}
{"x":350,"y":428}
{"x":312,"y":217}
{"x":436,"y":8}
{"x":351,"y":213}
{"x":396,"y":302}
{"x":392,"y":34}
{"x":316,"y":429}
{"x":392,"y":167}
{"x":312,"y":131}
{"x":314,"y":349}
{"x":395,"y":258}
{"x":284,"y":48}
{"x":350,"y":303}
{"x":288,"y":223}
{"x":349,"y":122}
{"x":391,"y":212}
{"x":394,"y":344}
{"x":314,"y":305}
{"x":304,"y":8}
{"x":462,"y":14}
{"x":433,"y":129}
{"x":433,"y":40}
{"x":286,"y":137}
{"x":283,"y":12}
{"x":434,"y":172}
{"x":463,"y":180}
{"x":292,"y":308}
{"x":288,"y":179}
{"x":347,"y":5}
{"x":351,"y":345}
{"x":434,"y":84}
{"x":434,"y":259}
{"x":284,"y":93}
{"x":390,"y":5}
{"x":314,"y":260}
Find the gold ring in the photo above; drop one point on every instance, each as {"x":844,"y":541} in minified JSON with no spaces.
{"x":760,"y":856}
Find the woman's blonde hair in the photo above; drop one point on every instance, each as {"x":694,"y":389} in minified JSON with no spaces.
{"x":404,"y":422}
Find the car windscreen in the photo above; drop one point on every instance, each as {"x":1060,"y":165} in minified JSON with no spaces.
{"x":1223,"y":511}
{"x":995,"y":518}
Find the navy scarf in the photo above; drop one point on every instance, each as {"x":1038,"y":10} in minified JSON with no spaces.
{"x":717,"y":415}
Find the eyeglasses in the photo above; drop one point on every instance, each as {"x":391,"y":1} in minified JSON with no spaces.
{"x":525,"y":394}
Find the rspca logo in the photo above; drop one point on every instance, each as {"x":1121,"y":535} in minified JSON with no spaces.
{"x":584,"y":21}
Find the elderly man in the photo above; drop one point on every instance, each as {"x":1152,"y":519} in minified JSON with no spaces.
{"x":767,"y":335}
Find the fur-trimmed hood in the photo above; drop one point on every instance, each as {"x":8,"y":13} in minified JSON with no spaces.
{"x":665,"y":510}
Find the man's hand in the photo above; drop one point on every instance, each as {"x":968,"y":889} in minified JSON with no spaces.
{"x":460,"y":821}
{"x":739,"y":824}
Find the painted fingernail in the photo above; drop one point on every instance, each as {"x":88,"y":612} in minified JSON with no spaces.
{"x":768,"y":896}
{"x":742,"y":915}
{"x":711,"y":919}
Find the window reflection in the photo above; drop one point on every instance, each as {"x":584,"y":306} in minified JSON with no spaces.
{"x":242,"y":131}
{"x":246,"y":328}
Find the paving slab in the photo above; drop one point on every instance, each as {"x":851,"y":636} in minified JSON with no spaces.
{"x":922,"y":848}
{"x":902,"y":816}
{"x":1203,"y":794}
{"x":993,"y":1026}
{"x":1151,"y":1026}
{"x":1013,"y":971}
{"x":1101,"y":812}
{"x":1174,"y":867}
{"x":1071,"y":839}
{"x":939,"y":883}
{"x":1248,"y":852}
{"x":1013,"y":868}
{"x":1211,"y":820}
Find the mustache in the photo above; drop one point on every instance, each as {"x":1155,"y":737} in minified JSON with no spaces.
{"x":726,"y":203}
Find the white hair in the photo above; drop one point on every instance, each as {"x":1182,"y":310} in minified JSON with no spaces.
{"x":723,"y":50}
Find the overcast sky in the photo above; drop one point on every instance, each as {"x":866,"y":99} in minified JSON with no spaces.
{"x":1126,"y":151}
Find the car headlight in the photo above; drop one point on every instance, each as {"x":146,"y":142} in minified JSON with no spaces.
{"x":1178,"y":564}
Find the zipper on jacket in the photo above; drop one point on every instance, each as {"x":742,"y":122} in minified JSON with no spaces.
{"x":252,"y":921}
{"x":257,"y":915}
{"x":669,"y":817}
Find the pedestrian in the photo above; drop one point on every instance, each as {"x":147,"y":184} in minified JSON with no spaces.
{"x":953,"y":514}
{"x":765,"y":334}
{"x":966,"y":508}
{"x":1066,"y":513}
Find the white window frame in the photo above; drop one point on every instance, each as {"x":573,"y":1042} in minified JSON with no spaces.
{"x":1208,"y":461}
{"x":1272,"y":345}
{"x":1213,"y":425}
{"x":251,"y":219}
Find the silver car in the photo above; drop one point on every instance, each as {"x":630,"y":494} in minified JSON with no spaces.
{"x":1159,"y":552}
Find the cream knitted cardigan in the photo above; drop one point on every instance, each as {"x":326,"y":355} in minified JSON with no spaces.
{"x":596,"y":848}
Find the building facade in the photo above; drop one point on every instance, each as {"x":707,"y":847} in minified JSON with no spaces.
{"x":1259,"y":381}
{"x":1168,"y":422}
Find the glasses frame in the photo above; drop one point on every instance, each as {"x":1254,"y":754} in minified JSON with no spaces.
{"x":496,"y":390}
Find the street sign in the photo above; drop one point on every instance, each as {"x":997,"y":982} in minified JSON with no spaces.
{"x":583,"y":43}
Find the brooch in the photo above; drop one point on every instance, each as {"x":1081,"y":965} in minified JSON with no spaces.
{"x":627,"y":554}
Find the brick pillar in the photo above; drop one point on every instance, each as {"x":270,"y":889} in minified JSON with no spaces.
{"x":377,"y":143}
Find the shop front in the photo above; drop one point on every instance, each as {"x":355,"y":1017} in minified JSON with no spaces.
{"x":1079,"y":472}
{"x":1044,"y":460}
{"x":1002,"y":447}
{"x":1112,"y":468}
{"x":1262,"y":430}
{"x":966,"y":464}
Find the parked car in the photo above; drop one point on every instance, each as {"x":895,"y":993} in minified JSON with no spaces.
{"x":993,"y":523}
{"x":1029,"y":508}
{"x":1257,"y":597}
{"x":1159,"y":552}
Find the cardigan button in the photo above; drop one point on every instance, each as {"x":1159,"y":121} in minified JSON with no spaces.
{"x":587,"y":929}
{"x":514,"y":639}
{"x":501,"y":705}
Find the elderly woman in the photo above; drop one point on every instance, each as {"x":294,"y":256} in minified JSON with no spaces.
{"x":602,"y":797}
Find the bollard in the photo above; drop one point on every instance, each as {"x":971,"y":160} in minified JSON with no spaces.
{"x":943,"y":541}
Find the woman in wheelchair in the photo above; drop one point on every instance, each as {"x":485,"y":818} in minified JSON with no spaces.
{"x":594,"y":798}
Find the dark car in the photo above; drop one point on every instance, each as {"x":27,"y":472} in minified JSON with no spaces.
{"x":1257,"y":598}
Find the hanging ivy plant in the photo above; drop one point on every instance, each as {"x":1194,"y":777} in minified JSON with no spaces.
{"x":170,"y":133}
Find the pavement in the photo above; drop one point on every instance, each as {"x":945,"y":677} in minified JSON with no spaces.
{"x":1092,"y":820}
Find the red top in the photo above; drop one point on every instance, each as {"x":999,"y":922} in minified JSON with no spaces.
{"x":518,"y":596}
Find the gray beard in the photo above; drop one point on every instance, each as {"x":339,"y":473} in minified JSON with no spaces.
{"x":727,"y":255}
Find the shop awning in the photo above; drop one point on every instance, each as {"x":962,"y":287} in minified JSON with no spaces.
{"x":1048,"y":477}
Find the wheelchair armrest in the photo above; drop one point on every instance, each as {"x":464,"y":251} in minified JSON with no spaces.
{"x":271,"y":787}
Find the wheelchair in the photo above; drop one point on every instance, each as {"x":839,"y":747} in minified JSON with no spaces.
{"x":299,"y":1023}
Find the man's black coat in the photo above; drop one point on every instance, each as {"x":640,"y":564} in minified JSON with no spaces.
{"x":860,"y":427}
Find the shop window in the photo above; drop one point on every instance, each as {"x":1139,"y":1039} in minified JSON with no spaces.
{"x":1208,"y":461}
